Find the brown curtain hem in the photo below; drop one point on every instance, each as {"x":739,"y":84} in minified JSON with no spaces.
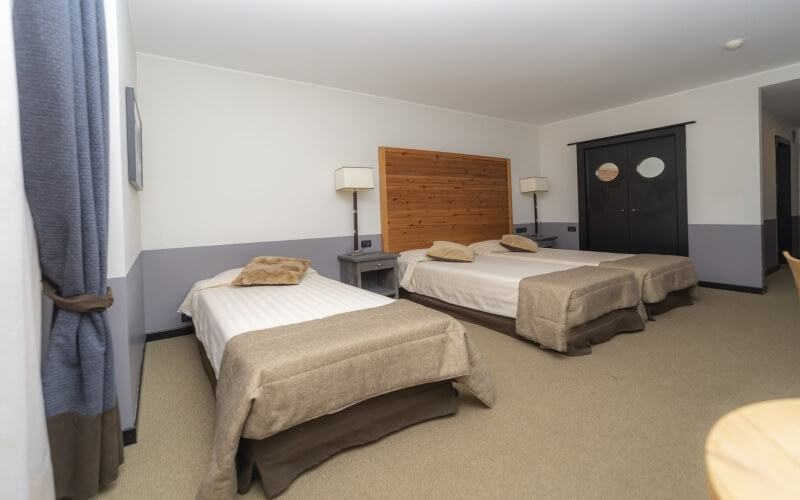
{"x":86,"y":452}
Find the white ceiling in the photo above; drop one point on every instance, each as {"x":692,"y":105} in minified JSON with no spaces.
{"x":530,"y":61}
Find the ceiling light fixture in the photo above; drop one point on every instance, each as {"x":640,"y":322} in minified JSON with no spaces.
{"x":734,"y":44}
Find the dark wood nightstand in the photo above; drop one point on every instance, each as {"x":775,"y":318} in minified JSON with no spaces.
{"x":373,"y":271}
{"x":542,"y":240}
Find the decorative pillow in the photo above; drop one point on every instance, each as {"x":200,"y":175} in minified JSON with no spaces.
{"x":272,"y":271}
{"x":222,"y":279}
{"x":517,"y":243}
{"x":450,"y":252}
{"x":487,"y":247}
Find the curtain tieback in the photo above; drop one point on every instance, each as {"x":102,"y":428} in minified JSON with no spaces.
{"x":84,"y":303}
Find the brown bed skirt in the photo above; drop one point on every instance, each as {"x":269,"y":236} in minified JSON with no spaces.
{"x":281,"y":458}
{"x":676,"y":298}
{"x":580,"y":344}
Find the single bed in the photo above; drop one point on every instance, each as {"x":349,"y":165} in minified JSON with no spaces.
{"x":563,"y":307}
{"x":666,"y":281}
{"x":298,"y":377}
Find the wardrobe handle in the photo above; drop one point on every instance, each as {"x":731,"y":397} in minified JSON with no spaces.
{"x":633,"y":209}
{"x":621,"y":209}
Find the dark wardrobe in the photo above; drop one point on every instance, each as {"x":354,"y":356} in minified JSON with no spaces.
{"x":632,"y":192}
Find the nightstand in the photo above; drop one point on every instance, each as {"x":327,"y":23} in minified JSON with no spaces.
{"x":542,"y":240}
{"x":373,"y":271}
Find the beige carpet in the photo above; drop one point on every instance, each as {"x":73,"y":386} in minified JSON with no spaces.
{"x":628,"y":421}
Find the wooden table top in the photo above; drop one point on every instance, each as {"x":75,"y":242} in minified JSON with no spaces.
{"x":753,"y":452}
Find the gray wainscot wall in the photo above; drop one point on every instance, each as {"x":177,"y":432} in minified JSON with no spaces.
{"x":168,"y":274}
{"x":126,"y":318}
{"x":770,"y":245}
{"x":723,"y":254}
{"x":728,"y":254}
{"x":566,"y":238}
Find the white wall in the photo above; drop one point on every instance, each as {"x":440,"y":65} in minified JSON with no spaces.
{"x":126,"y":316}
{"x":125,"y":241}
{"x":723,"y":148}
{"x":25,"y":468}
{"x":231,"y":157}
{"x":771,"y":126}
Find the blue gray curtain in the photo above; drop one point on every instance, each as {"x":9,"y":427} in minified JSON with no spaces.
{"x":62,"y":76}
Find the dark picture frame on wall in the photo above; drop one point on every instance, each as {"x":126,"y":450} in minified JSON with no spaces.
{"x":134,"y":126}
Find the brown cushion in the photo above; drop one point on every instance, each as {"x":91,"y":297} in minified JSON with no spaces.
{"x":517,"y":243}
{"x":450,"y":252}
{"x":272,"y":271}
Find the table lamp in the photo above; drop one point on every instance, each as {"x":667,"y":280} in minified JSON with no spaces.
{"x":534,"y":185}
{"x":354,"y":179}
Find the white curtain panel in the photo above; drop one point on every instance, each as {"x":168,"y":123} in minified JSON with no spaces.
{"x":25,"y":469}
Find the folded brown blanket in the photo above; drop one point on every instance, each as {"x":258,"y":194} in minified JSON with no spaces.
{"x":658,"y":275}
{"x":551,"y":305}
{"x":273,"y":379}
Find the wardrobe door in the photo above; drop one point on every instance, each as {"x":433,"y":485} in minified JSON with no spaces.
{"x":642,"y":209}
{"x":607,"y":198}
{"x":653,"y":198}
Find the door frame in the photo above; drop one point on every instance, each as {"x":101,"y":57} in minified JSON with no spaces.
{"x":679,"y":133}
{"x":781,"y":141}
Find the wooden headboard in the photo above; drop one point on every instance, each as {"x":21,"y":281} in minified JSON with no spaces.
{"x":430,"y":195}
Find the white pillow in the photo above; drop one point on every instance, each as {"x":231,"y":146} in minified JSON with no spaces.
{"x":517,"y":243}
{"x":450,"y":252}
{"x":488,"y":247}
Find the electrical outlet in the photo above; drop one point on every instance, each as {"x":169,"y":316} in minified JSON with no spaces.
{"x":366,"y":243}
{"x":521,"y":230}
{"x":571,"y":229}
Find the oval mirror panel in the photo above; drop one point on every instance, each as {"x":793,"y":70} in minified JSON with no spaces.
{"x":607,"y":172}
{"x":650,"y":167}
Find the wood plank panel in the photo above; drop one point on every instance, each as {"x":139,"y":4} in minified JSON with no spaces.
{"x":431,"y":195}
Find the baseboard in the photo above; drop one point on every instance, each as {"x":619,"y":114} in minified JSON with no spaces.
{"x":772,"y":270}
{"x":733,"y":288}
{"x":129,"y":436}
{"x":168,"y":334}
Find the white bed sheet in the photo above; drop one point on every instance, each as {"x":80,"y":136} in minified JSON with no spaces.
{"x":489,"y":283}
{"x":564,"y":256}
{"x":559,"y":255}
{"x":222,"y":312}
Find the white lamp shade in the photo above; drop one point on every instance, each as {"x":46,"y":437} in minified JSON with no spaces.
{"x":534,"y":184}
{"x":354,"y":178}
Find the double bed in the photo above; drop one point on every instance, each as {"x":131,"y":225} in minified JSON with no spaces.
{"x":428,"y":196}
{"x":303,"y":371}
{"x":558,"y":306}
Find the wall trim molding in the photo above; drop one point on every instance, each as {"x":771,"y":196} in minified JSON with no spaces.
{"x":733,"y":288}
{"x":129,"y":436}
{"x":168,"y":334}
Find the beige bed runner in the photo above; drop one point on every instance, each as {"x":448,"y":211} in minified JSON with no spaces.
{"x":658,"y":275}
{"x":271,"y":380}
{"x":552,"y":305}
